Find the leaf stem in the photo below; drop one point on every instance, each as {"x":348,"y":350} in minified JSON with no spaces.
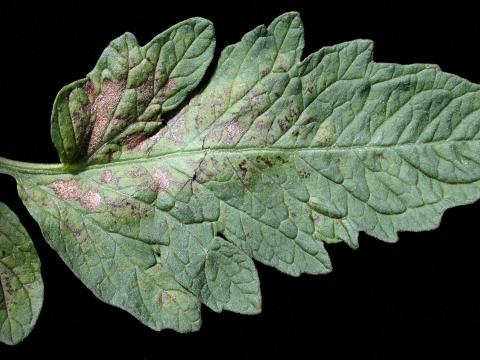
{"x":14,"y":167}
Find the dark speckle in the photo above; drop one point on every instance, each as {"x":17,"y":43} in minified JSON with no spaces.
{"x":243,"y":169}
{"x":284,"y":124}
{"x":282,"y":159}
{"x":303,"y":174}
{"x":264,"y":160}
{"x":309,"y":89}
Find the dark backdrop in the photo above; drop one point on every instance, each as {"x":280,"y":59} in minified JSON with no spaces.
{"x":414,"y":298}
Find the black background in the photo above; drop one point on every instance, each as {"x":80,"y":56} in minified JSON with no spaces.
{"x":414,"y":298}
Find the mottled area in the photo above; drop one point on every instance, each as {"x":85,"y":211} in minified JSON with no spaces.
{"x":162,"y":180}
{"x":176,"y":130}
{"x":107,"y":176}
{"x":162,"y":94}
{"x":103,"y":109}
{"x":135,"y":140}
{"x":235,"y":130}
{"x":90,"y":199}
{"x":122,"y":101}
{"x":66,"y":189}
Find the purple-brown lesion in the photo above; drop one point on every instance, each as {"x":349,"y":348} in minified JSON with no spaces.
{"x":109,"y":177}
{"x":89,"y":199}
{"x":162,"y":180}
{"x":135,"y":140}
{"x":102,"y":108}
{"x":162,"y":95}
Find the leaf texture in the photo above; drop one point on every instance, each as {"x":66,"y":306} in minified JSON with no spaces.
{"x":21,"y":285}
{"x":274,"y":158}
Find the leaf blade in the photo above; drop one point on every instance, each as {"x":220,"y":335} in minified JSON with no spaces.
{"x":21,"y":285}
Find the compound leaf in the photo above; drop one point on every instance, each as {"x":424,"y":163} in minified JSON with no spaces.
{"x":274,"y":158}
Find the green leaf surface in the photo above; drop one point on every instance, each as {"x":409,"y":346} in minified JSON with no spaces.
{"x":274,"y":158}
{"x":21,"y":285}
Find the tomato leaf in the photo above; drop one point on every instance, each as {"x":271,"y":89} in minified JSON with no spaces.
{"x":274,"y":158}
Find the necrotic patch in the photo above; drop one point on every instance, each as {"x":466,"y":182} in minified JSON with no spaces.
{"x":69,"y":190}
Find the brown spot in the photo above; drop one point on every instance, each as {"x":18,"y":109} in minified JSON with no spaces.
{"x":161,"y":95}
{"x":78,"y":117}
{"x":162,"y":180}
{"x":262,"y":128}
{"x":69,"y":190}
{"x":135,"y":208}
{"x":256,"y":100}
{"x":170,"y":84}
{"x":282,"y":159}
{"x":107,"y":176}
{"x":242,"y":169}
{"x":214,"y":133}
{"x":199,"y":120}
{"x":166,"y":297}
{"x":135,"y":140}
{"x":303,"y":174}
{"x":90,"y":89}
{"x":119,"y":205}
{"x":66,"y":189}
{"x":91,"y":200}
{"x":136,"y":172}
{"x":103,"y":107}
{"x":284,"y":124}
{"x":202,"y":173}
{"x":325,"y":136}
{"x":234,"y":131}
{"x":77,"y":232}
{"x":146,"y":88}
{"x":177,"y":130}
{"x":157,"y":251}
{"x":7,"y":285}
{"x":264,"y":160}
{"x":309,"y":89}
